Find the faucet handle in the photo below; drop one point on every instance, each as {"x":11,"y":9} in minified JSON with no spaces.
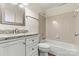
{"x":76,"y":34}
{"x":15,"y":30}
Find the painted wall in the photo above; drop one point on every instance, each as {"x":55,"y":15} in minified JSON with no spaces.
{"x":62,"y":23}
{"x":62,"y":9}
{"x":61,"y":27}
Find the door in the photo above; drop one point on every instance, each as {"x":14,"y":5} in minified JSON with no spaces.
{"x":15,"y":48}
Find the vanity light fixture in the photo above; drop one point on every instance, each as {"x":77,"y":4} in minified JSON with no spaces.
{"x":25,"y":4}
{"x":21,"y":6}
{"x":14,"y":3}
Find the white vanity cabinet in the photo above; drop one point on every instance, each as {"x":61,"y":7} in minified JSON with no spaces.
{"x":13,"y":48}
{"x":32,"y":45}
{"x":22,"y":46}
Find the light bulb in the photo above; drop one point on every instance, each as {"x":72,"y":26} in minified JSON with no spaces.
{"x":20,"y":5}
{"x":25,"y":4}
{"x":14,"y":3}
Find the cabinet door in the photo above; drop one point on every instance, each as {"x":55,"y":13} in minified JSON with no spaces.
{"x":32,"y":45}
{"x":16,"y":48}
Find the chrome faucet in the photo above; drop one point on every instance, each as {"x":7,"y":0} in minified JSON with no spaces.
{"x":15,"y":31}
{"x":76,"y":34}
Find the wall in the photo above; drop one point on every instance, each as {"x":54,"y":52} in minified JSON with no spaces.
{"x":61,"y":24}
{"x":61,"y":9}
{"x":60,"y":27}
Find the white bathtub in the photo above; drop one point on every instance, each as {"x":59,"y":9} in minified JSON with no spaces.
{"x":62,"y":49}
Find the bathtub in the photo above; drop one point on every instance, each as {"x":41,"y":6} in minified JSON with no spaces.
{"x":59,"y":48}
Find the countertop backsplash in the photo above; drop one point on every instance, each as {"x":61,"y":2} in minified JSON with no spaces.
{"x":12,"y":31}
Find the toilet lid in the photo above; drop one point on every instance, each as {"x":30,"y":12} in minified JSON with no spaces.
{"x":43,"y":45}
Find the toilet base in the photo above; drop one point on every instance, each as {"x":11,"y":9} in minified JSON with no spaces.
{"x":49,"y":54}
{"x":43,"y":54}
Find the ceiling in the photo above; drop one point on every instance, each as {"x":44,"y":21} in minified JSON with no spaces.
{"x":46,"y":5}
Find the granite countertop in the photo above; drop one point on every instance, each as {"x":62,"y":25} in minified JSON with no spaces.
{"x":4,"y":36}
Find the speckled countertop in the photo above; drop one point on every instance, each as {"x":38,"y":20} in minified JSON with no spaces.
{"x":4,"y":36}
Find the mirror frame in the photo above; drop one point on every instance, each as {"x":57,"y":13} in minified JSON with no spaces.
{"x":12,"y":23}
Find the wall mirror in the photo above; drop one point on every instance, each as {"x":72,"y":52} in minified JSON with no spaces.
{"x":12,"y":14}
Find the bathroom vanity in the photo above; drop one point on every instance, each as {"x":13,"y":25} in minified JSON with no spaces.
{"x":14,"y":42}
{"x":19,"y":45}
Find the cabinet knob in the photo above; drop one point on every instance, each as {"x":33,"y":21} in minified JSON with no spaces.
{"x":32,"y":48}
{"x":6,"y":38}
{"x":33,"y":40}
{"x":24,"y":43}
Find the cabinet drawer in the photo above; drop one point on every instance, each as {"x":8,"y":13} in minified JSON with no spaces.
{"x":35,"y":39}
{"x":30,"y":50}
{"x":32,"y":40}
{"x":29,"y":41}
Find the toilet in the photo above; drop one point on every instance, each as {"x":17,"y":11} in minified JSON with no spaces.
{"x":44,"y":49}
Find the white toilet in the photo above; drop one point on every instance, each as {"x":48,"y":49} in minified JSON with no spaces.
{"x":44,"y":49}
